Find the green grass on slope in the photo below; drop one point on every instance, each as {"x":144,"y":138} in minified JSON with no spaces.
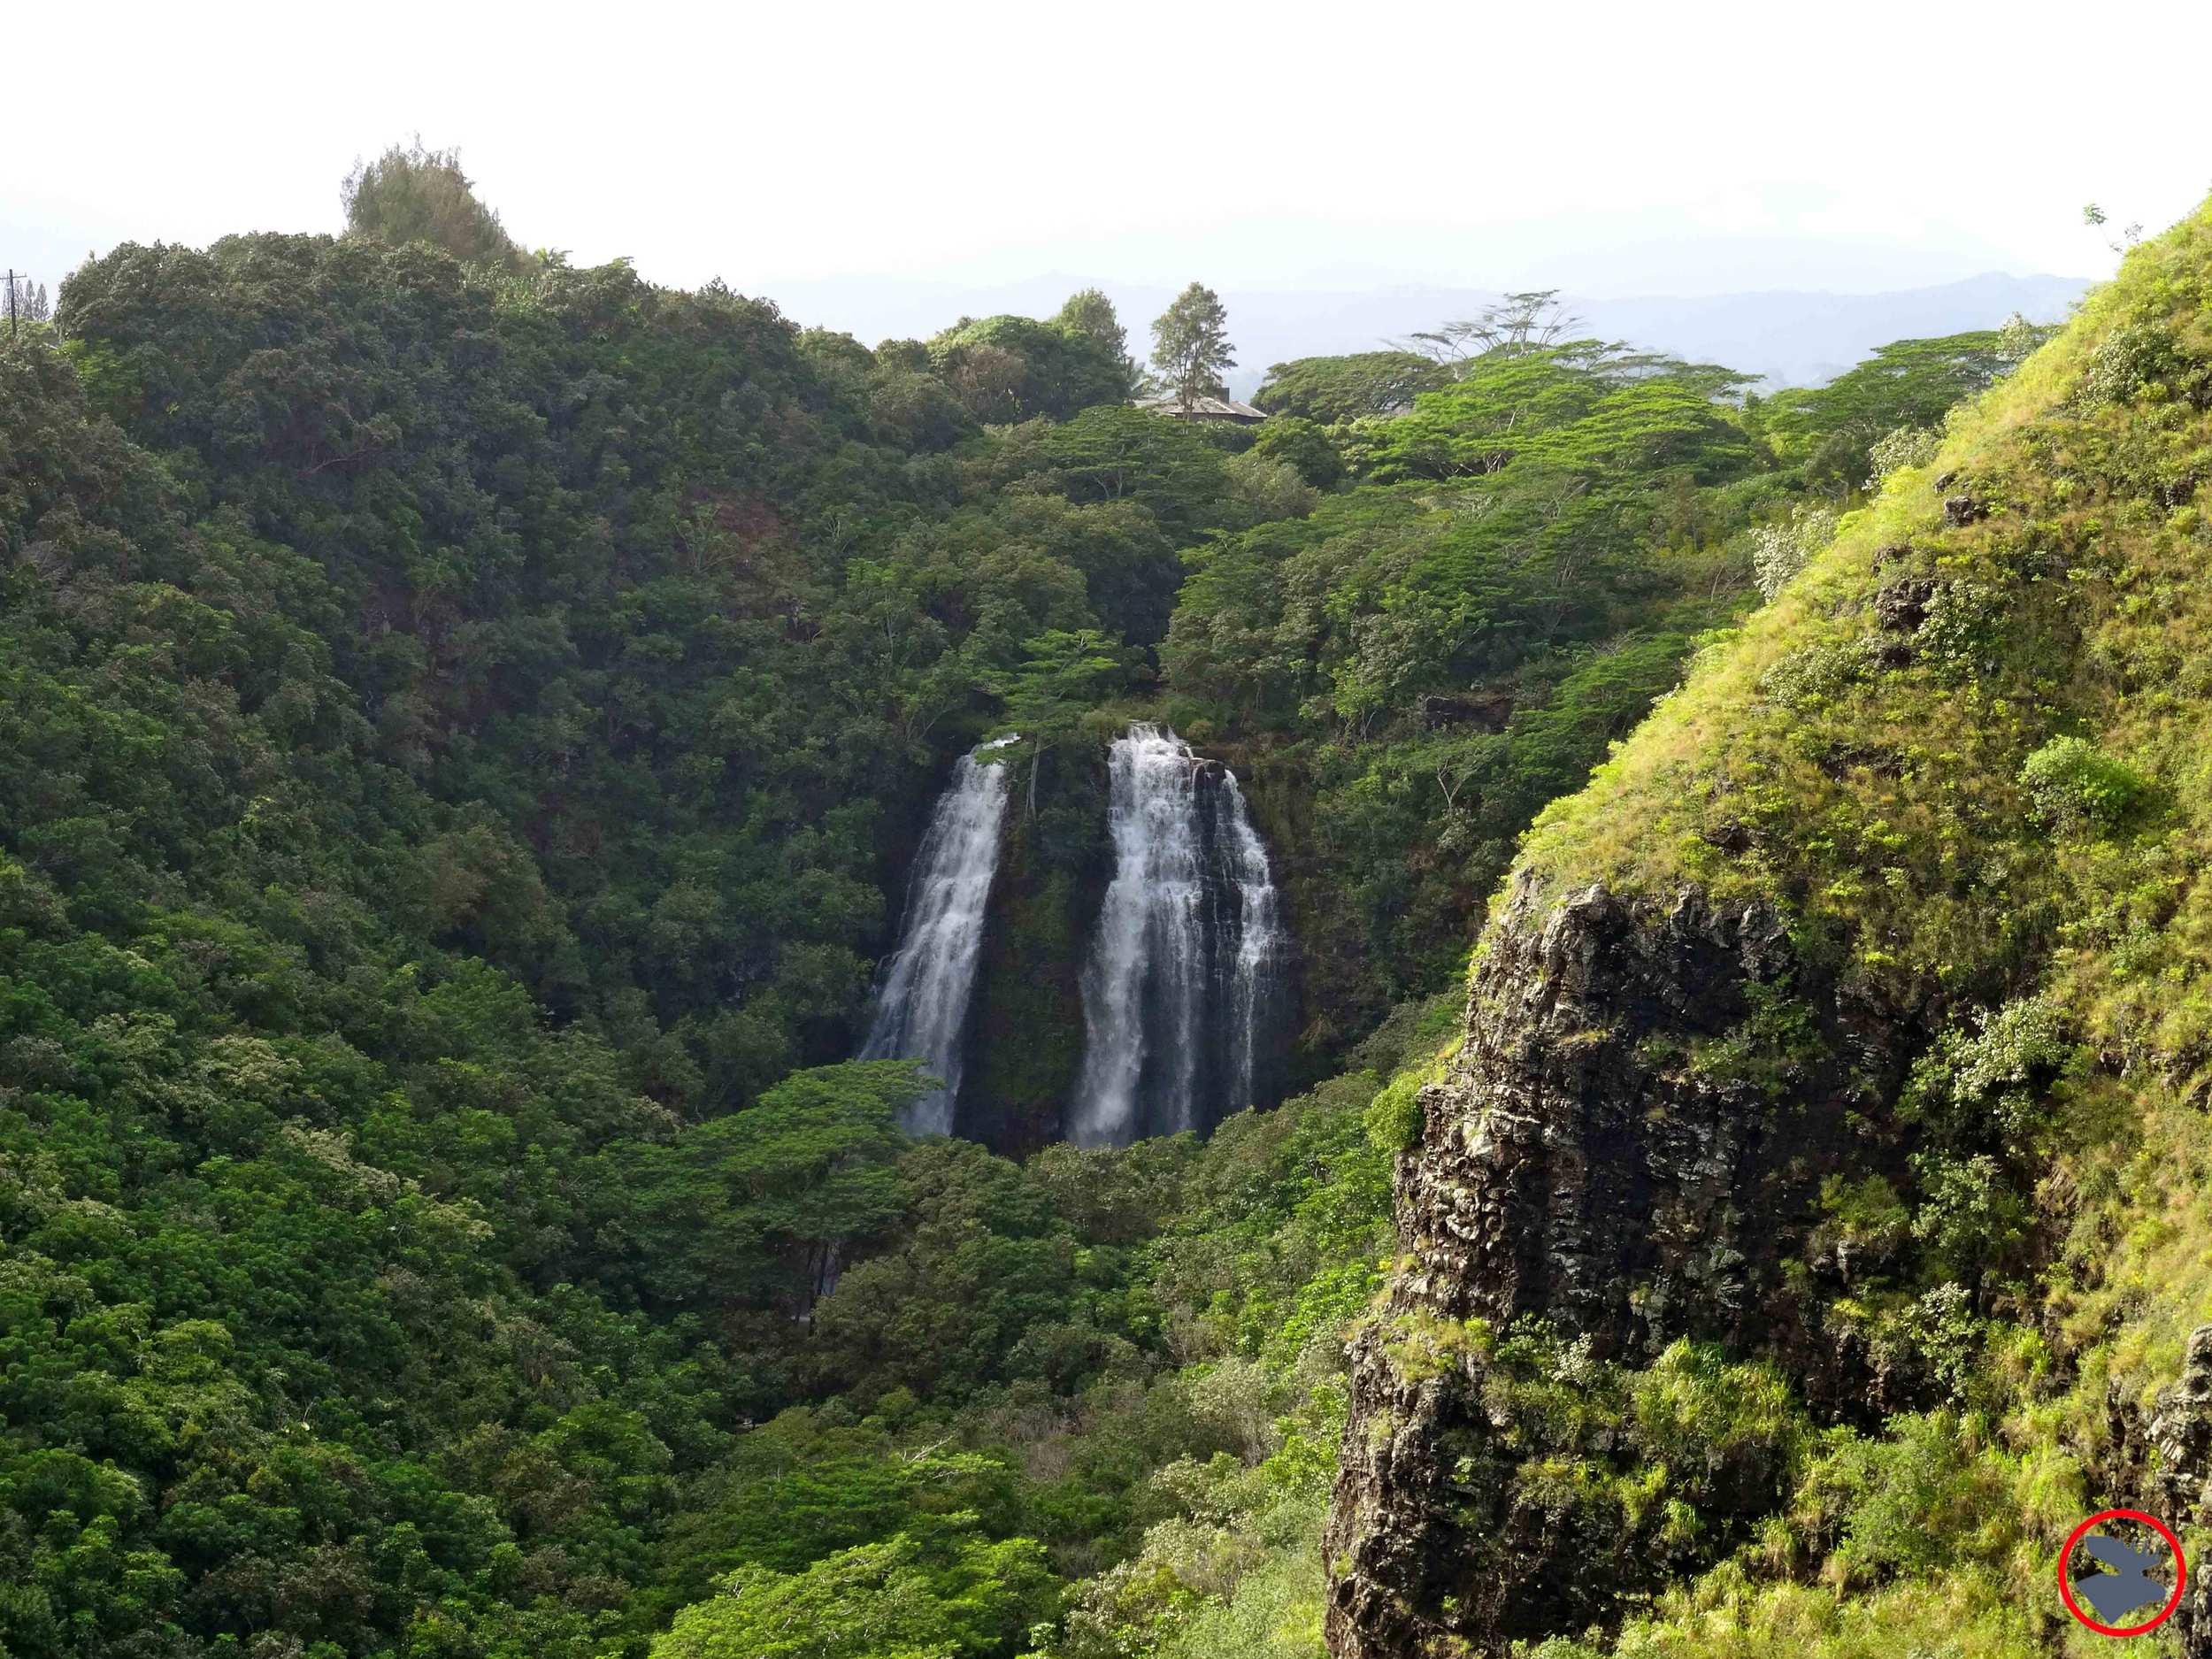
{"x":1967,"y":755}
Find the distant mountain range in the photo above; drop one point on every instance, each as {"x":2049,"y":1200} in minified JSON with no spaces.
{"x":1793,"y":338}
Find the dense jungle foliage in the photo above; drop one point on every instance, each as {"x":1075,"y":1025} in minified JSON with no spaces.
{"x":464,"y":726}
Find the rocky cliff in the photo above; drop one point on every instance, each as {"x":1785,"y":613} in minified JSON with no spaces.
{"x":1621,"y":1152}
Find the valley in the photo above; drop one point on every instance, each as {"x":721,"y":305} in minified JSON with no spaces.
{"x":671,"y":986}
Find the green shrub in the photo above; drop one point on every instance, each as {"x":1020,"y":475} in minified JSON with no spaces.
{"x":2074,"y":785}
{"x":2138,"y":359}
{"x":1780,"y":550}
{"x":1813,"y":675}
{"x":1902,"y":446}
{"x":1394,"y":1117}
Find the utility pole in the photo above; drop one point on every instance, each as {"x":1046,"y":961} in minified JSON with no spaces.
{"x":15,"y":312}
{"x":20,"y":288}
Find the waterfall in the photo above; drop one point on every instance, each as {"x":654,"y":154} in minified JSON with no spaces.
{"x":922,"y":1009}
{"x":1255,"y":981}
{"x":1185,"y":978}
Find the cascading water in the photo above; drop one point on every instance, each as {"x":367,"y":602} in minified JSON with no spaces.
{"x":1255,"y":987}
{"x":922,"y":1009}
{"x":1186,"y":980}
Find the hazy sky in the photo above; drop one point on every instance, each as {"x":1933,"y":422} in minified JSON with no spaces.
{"x":1609,"y":149}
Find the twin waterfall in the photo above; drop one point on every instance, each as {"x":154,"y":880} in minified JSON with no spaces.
{"x":1185,"y":989}
{"x":922,"y":1011}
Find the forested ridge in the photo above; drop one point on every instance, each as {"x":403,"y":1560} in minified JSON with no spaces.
{"x":466,"y":724}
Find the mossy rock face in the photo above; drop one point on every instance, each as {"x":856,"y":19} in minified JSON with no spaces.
{"x":1029,"y":1021}
{"x":1028,"y":1044}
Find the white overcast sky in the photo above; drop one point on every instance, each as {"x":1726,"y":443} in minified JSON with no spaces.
{"x":1607,"y":147}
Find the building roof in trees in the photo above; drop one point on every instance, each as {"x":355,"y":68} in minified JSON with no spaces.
{"x":1202,"y":409}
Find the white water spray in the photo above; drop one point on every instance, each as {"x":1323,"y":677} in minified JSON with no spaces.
{"x":1186,"y":971}
{"x":1256,"y":982}
{"x":922,"y":1009}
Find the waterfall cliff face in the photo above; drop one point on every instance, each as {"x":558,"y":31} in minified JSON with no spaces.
{"x":922,"y":1009}
{"x":1186,"y":980}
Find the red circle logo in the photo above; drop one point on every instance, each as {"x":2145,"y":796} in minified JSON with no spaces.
{"x":2066,"y":1582}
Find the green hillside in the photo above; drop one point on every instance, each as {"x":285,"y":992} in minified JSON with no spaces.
{"x":1876,"y":960}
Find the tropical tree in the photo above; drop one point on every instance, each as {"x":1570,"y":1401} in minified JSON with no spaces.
{"x":762,"y":1199}
{"x":410,"y":193}
{"x":1527,"y":322}
{"x":1190,"y":345}
{"x":945,"y":1598}
{"x":1089,"y":312}
{"x":1016,"y":368}
{"x":1062,"y":673}
{"x":1305,"y":446}
{"x":1830,"y":431}
{"x":1332,"y":390}
{"x":26,"y":300}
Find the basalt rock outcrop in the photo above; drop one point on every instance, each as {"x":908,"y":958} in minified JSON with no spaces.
{"x":1628,"y":1149}
{"x":2180,"y":1433}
